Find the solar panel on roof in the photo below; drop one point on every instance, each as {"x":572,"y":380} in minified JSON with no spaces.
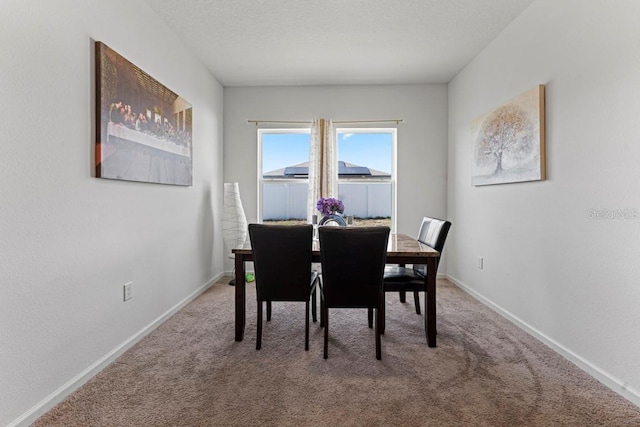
{"x":353,"y":170}
{"x":296,"y":170}
{"x":343,"y":170}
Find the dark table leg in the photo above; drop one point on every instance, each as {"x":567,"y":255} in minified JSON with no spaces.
{"x":430,"y":303}
{"x":240,"y":297}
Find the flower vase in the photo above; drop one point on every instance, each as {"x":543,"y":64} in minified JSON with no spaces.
{"x":333,"y":219}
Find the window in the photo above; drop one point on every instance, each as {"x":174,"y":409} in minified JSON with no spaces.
{"x":366,"y":174}
{"x":283,"y":174}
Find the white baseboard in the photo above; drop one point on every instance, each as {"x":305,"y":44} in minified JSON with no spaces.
{"x":76,"y":382}
{"x":615,"y":384}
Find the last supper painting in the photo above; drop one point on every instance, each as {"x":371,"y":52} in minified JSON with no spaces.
{"x":143,"y":128}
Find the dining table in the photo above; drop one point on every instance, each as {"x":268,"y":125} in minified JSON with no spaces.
{"x":401,"y":249}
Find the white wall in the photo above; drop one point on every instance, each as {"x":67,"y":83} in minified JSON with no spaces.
{"x":421,"y":152}
{"x":69,"y":241}
{"x":569,"y":279}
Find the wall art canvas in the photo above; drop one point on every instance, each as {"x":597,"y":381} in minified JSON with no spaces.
{"x":509,"y":142}
{"x":143,"y":128}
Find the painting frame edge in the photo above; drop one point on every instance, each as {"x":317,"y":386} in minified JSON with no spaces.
{"x":542,"y":111}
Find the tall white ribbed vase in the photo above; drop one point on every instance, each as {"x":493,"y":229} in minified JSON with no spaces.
{"x":234,"y":221}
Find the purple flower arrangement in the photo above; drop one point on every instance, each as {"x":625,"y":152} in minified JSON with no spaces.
{"x":329,"y":206}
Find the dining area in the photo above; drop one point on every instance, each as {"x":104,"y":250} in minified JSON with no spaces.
{"x":339,"y":266}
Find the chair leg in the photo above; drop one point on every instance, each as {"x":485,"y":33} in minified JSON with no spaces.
{"x":306,"y":326}
{"x":259,"y":328}
{"x":370,"y":317}
{"x":403,"y":296}
{"x":268,"y":311}
{"x":325,"y":312}
{"x":314,"y":309}
{"x":416,"y":298}
{"x":379,"y":320}
{"x":383,"y":315}
{"x":321,"y":311}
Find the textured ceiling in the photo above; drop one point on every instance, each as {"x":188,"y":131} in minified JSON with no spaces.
{"x":333,"y":42}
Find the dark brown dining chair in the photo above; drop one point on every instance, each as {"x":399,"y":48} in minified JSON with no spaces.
{"x":433,"y":233}
{"x":282,"y":263}
{"x":353,"y":260}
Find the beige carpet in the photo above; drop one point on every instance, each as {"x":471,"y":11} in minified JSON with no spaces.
{"x":484,"y":372}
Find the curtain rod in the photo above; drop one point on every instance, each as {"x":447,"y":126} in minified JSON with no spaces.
{"x":307,"y":122}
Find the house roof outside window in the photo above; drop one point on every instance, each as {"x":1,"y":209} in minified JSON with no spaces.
{"x":345,"y":171}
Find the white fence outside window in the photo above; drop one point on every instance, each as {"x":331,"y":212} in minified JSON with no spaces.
{"x":288,"y":200}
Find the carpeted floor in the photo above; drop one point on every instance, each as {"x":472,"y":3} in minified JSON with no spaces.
{"x":484,"y":372}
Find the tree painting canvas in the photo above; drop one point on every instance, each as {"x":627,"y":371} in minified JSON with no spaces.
{"x":509,"y":144}
{"x":143,"y":128}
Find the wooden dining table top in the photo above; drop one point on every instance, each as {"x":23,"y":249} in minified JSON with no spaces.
{"x":399,"y":245}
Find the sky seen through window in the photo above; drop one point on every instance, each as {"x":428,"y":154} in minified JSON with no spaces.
{"x":372,"y":150}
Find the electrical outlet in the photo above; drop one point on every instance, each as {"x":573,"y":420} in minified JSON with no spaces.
{"x":128,"y":291}
{"x":480,"y":262}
